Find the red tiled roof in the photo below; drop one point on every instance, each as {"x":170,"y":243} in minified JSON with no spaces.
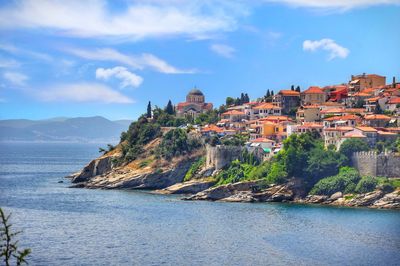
{"x":267,"y":106}
{"x":313,"y":90}
{"x":339,"y":129}
{"x":212,"y":128}
{"x":234,"y":112}
{"x":373,"y":99}
{"x":367,"y":129}
{"x":377,"y":117}
{"x":289,"y":93}
{"x":333,"y":110}
{"x":394,"y":101}
{"x":343,"y":117}
{"x":264,"y":140}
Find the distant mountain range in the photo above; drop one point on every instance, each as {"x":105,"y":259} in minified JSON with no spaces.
{"x":80,"y":129}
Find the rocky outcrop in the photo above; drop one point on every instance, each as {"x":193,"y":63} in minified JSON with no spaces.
{"x":226,"y":191}
{"x":189,"y":187}
{"x":125,"y":178}
{"x":375,"y":199}
{"x":96,"y":167}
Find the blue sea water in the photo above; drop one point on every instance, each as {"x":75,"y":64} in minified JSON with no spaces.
{"x":65,"y":226}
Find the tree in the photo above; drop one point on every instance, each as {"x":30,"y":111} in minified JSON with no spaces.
{"x":298,"y":88}
{"x":170,"y":108}
{"x":268,"y":94}
{"x":272,"y":93}
{"x":246,"y":98}
{"x":229,"y":101}
{"x":353,"y":145}
{"x":242,"y":98}
{"x":148,"y":115}
{"x":238,"y":101}
{"x":292,"y":87}
{"x":8,"y":246}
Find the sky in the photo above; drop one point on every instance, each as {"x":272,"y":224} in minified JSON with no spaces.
{"x":86,"y":58}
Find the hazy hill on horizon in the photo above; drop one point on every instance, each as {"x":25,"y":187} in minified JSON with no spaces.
{"x":79,"y":129}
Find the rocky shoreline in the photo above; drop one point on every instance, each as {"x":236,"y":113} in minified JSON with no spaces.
{"x":168,"y":179}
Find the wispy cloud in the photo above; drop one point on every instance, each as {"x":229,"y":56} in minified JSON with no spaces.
{"x":15,"y":78}
{"x":82,"y":92}
{"x":8,"y":63}
{"x":128,"y":79}
{"x":223,"y":50}
{"x":12,"y":49}
{"x":140,"y":61}
{"x":341,"y":5}
{"x":139,"y":19}
{"x":334,"y":49}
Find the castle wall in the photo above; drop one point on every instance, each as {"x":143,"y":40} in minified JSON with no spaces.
{"x":220,"y":156}
{"x":374,"y":164}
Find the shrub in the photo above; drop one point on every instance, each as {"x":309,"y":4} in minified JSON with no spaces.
{"x":277,"y":173}
{"x":194,"y":168}
{"x":353,"y":145}
{"x":366,"y":184}
{"x":345,"y":182}
{"x":176,"y":142}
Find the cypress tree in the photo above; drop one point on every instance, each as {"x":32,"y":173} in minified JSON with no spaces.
{"x":268,"y":94}
{"x":170,"y":108}
{"x":292,"y":87}
{"x":298,"y":88}
{"x":148,"y":115}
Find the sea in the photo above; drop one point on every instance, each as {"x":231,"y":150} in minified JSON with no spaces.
{"x":75,"y":226}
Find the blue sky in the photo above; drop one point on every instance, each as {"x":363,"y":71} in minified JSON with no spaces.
{"x":85,"y":58}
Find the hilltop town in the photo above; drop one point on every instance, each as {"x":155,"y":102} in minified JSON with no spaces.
{"x":337,"y":144}
{"x":365,"y":108}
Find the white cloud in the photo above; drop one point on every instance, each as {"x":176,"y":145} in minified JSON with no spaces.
{"x":138,"y":19}
{"x":336,"y":4}
{"x":82,"y":92}
{"x":9,"y":48}
{"x":223,"y":50}
{"x":140,"y":61}
{"x":127,"y":78}
{"x":334,"y":49}
{"x":15,"y":78}
{"x":8,"y":63}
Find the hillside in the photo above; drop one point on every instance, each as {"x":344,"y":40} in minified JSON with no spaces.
{"x":80,"y":129}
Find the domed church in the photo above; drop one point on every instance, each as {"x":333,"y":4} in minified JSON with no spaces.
{"x":195,"y":104}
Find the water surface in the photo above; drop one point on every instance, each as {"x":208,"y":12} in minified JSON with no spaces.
{"x":65,"y":226}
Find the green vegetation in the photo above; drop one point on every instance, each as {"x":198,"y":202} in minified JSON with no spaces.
{"x":353,"y":145}
{"x":346,"y":182}
{"x":349,"y":181}
{"x":194,"y":169}
{"x":366,"y":184}
{"x":302,"y":156}
{"x":9,"y":251}
{"x":176,"y":142}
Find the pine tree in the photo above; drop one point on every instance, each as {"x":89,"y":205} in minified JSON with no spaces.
{"x":170,"y":108}
{"x":268,"y":94}
{"x":148,"y":115}
{"x":272,"y":93}
{"x":292,"y":87}
{"x":242,"y":99}
{"x":298,"y":88}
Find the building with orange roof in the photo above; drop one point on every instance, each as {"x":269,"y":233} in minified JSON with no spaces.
{"x":339,"y":94}
{"x":370,"y":132}
{"x":313,"y":95}
{"x":266,"y":109}
{"x":288,"y":100}
{"x":343,"y":120}
{"x":333,"y":136}
{"x":234,"y":115}
{"x":360,"y":82}
{"x":393,"y":104}
{"x":211,"y":130}
{"x":376,"y":120}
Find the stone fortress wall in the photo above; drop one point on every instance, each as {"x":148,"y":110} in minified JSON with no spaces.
{"x":374,"y":164}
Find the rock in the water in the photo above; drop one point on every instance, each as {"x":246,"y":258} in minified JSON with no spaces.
{"x":189,"y":187}
{"x":241,"y":196}
{"x":391,"y":200}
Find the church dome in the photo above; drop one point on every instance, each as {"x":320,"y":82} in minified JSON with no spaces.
{"x":196,"y":92}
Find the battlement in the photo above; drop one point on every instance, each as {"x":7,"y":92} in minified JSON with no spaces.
{"x":371,"y":163}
